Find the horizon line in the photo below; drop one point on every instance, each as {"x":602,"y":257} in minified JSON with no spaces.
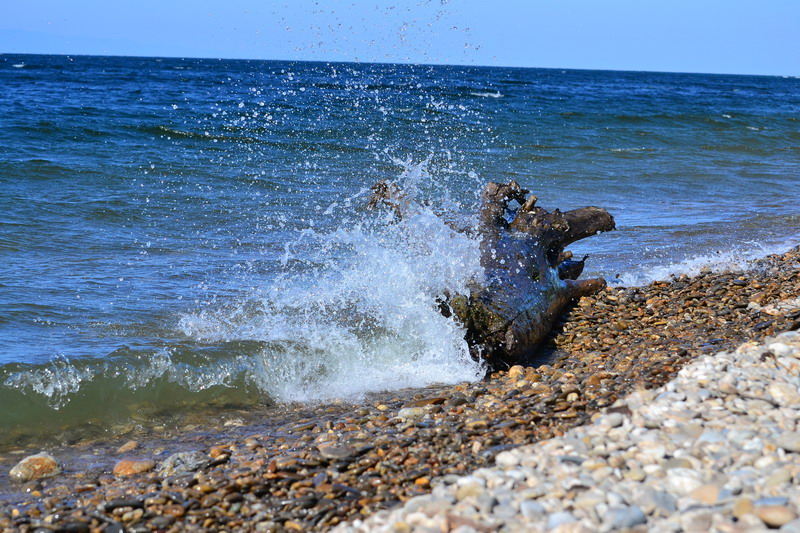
{"x":406,"y":63}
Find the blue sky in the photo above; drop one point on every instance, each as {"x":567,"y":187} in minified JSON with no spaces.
{"x":731,"y":36}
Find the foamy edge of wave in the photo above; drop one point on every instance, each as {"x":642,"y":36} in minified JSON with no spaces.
{"x":736,"y":258}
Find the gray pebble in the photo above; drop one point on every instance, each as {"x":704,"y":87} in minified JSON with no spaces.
{"x":531,"y":509}
{"x":182,"y":462}
{"x":623,"y":518}
{"x":789,"y":441}
{"x":559,"y":518}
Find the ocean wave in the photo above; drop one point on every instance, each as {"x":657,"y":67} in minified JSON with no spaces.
{"x":359,"y":316}
{"x":635,"y":149}
{"x":487,"y":94}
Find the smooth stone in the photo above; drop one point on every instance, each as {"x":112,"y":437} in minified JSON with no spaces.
{"x":589,"y":499}
{"x":615,"y":419}
{"x":696,"y":521}
{"x":789,"y":441}
{"x":615,"y":499}
{"x":504,"y":512}
{"x":656,"y":502}
{"x":182,"y":462}
{"x":426,"y":504}
{"x":162,"y":521}
{"x":676,"y":462}
{"x":438,"y":400}
{"x":37,"y":466}
{"x":712,"y":436}
{"x":664,"y":502}
{"x":780,"y":349}
{"x":692,"y":431}
{"x":531,"y":509}
{"x":617,"y":518}
{"x":215,"y":452}
{"x":775,"y":515}
{"x":707,"y":494}
{"x":128,"y":447}
{"x":468,"y":490}
{"x":130,"y":467}
{"x":682,"y":480}
{"x":559,"y":518}
{"x":336,"y":451}
{"x":507,"y":459}
{"x":780,"y":476}
{"x":485,"y":502}
{"x":411,"y":413}
{"x":784,"y":394}
{"x":742,"y":507}
{"x":635,"y":474}
{"x":516,"y":372}
{"x":134,"y":503}
{"x":749,"y":523}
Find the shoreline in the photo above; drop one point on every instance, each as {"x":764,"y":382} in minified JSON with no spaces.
{"x":715,"y":449}
{"x":344,"y":462}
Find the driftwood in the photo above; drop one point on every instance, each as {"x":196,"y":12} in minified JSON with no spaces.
{"x":529,"y":278}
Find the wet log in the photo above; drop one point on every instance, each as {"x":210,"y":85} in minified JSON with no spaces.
{"x":529,"y":279}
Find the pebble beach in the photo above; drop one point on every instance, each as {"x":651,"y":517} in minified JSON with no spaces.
{"x":669,"y":407}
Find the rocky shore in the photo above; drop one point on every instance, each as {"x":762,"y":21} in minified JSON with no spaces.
{"x":342,"y":463}
{"x":716,"y":449}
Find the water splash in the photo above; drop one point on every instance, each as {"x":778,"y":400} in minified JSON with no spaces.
{"x":356,"y":312}
{"x":56,"y":382}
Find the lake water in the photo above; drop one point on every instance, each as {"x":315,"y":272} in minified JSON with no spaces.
{"x":179,"y":233}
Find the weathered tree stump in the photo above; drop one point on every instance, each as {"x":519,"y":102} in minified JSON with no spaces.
{"x":529,"y":279}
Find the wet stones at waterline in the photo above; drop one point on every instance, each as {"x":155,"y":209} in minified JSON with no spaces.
{"x":337,"y":463}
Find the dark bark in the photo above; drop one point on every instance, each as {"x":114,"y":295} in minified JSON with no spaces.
{"x":529,"y":279}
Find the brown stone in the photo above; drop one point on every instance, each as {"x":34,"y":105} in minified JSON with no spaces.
{"x":40,"y":465}
{"x":516,"y":372}
{"x":426,"y":401}
{"x":775,"y":515}
{"x":742,"y":507}
{"x":219,"y":451}
{"x":128,"y":447}
{"x":131,"y":467}
{"x":707,"y":494}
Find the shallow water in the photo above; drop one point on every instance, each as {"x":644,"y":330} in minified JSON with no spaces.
{"x":183,"y":233}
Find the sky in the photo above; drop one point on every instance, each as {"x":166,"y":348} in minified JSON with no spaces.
{"x":710,"y":36}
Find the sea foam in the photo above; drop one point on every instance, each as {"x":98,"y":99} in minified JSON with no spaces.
{"x":357,"y":313}
{"x":738,"y":257}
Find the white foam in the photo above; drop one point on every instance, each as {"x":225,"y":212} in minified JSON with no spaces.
{"x":57,"y":382}
{"x":367,"y":320}
{"x":488,"y":94}
{"x":735,"y":258}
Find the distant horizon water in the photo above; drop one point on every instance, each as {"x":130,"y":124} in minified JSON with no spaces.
{"x":391,"y":63}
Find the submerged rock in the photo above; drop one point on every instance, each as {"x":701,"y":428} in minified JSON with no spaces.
{"x":40,"y":465}
{"x":182,"y":462}
{"x":131,"y":467}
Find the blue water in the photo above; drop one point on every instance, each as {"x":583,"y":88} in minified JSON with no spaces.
{"x":176,"y":233}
